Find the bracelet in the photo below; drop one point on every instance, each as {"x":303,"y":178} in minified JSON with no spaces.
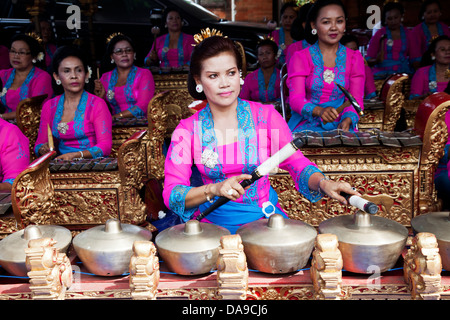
{"x":205,"y":191}
{"x":82,"y":155}
{"x":121,"y":115}
{"x":1,"y":115}
{"x":318,"y":188}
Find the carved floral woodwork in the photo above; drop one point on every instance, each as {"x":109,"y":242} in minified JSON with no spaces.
{"x":91,"y":198}
{"x":28,"y":116}
{"x":144,"y":271}
{"x":422,"y":267}
{"x":232,"y":271}
{"x":165,"y":111}
{"x":393,"y":99}
{"x":50,"y":271}
{"x":32,"y":193}
{"x":326,"y":268}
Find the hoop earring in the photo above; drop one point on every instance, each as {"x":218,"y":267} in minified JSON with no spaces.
{"x":314,"y":31}
{"x":199,"y":88}
{"x":58,"y":82}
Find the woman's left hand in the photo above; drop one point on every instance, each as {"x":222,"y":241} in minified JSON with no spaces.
{"x":345,"y":124}
{"x":334,"y":188}
{"x":69,"y":156}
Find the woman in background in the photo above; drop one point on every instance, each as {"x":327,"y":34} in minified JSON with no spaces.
{"x":263,"y":84}
{"x":80,"y":122}
{"x":298,"y":32}
{"x":428,"y":29}
{"x":174,"y":49}
{"x":435,"y":73}
{"x":24,"y":79}
{"x":282,"y":36}
{"x":314,"y":97}
{"x":390,"y":50}
{"x":128,"y":89}
{"x":370,"y":90}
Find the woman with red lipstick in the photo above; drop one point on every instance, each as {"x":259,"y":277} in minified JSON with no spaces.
{"x":80,"y":122}
{"x":429,"y":28}
{"x":226,"y":141}
{"x":172,"y":50}
{"x":263,"y":84}
{"x":391,"y":50}
{"x":24,"y":79}
{"x":314,"y":97}
{"x":282,"y":36}
{"x":128,"y":89}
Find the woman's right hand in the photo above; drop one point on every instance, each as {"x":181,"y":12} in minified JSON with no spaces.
{"x":44,"y":149}
{"x":99,"y":91}
{"x":231,"y":187}
{"x":329,"y":114}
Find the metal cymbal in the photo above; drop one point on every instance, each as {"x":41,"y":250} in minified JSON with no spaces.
{"x":106,"y":250}
{"x":12,"y":247}
{"x":277,"y":245}
{"x":368,"y":243}
{"x":437,"y":223}
{"x":190,"y":248}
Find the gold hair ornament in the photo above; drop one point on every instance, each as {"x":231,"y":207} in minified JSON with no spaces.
{"x":35,"y":36}
{"x":207,"y":33}
{"x":112,"y":36}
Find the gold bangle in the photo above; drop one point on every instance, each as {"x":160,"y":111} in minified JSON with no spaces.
{"x":205,"y":191}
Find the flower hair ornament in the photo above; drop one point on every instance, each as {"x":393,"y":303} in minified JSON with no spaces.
{"x":89,"y":74}
{"x":40,"y":56}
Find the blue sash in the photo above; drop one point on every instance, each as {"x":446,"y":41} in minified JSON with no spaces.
{"x":232,"y":215}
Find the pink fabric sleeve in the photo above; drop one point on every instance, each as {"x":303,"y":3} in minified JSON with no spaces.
{"x":419,"y":83}
{"x":144,"y":90}
{"x":374,"y":44}
{"x":42,"y":84}
{"x":102,"y":121}
{"x":46,"y":119}
{"x":14,"y":151}
{"x":177,"y":168}
{"x":356,"y":79}
{"x":299,"y":68}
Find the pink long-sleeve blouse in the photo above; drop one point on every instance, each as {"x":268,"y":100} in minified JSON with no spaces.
{"x":38,"y":82}
{"x":176,"y":57}
{"x":134,"y":96}
{"x":424,"y":82}
{"x":312,"y":84}
{"x":14,"y":151}
{"x":255,"y":88}
{"x":263,"y":133}
{"x":91,"y":128}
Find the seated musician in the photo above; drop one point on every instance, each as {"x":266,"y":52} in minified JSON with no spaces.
{"x":434,"y":74}
{"x":174,"y":49}
{"x":14,"y":153}
{"x":315,"y":99}
{"x":429,"y":28}
{"x":226,"y":141}
{"x":128,"y":89}
{"x":370,"y":90}
{"x":298,"y":32}
{"x":80,"y":122}
{"x":24,"y":79}
{"x":391,"y":50}
{"x":282,"y":36}
{"x":263,"y":84}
